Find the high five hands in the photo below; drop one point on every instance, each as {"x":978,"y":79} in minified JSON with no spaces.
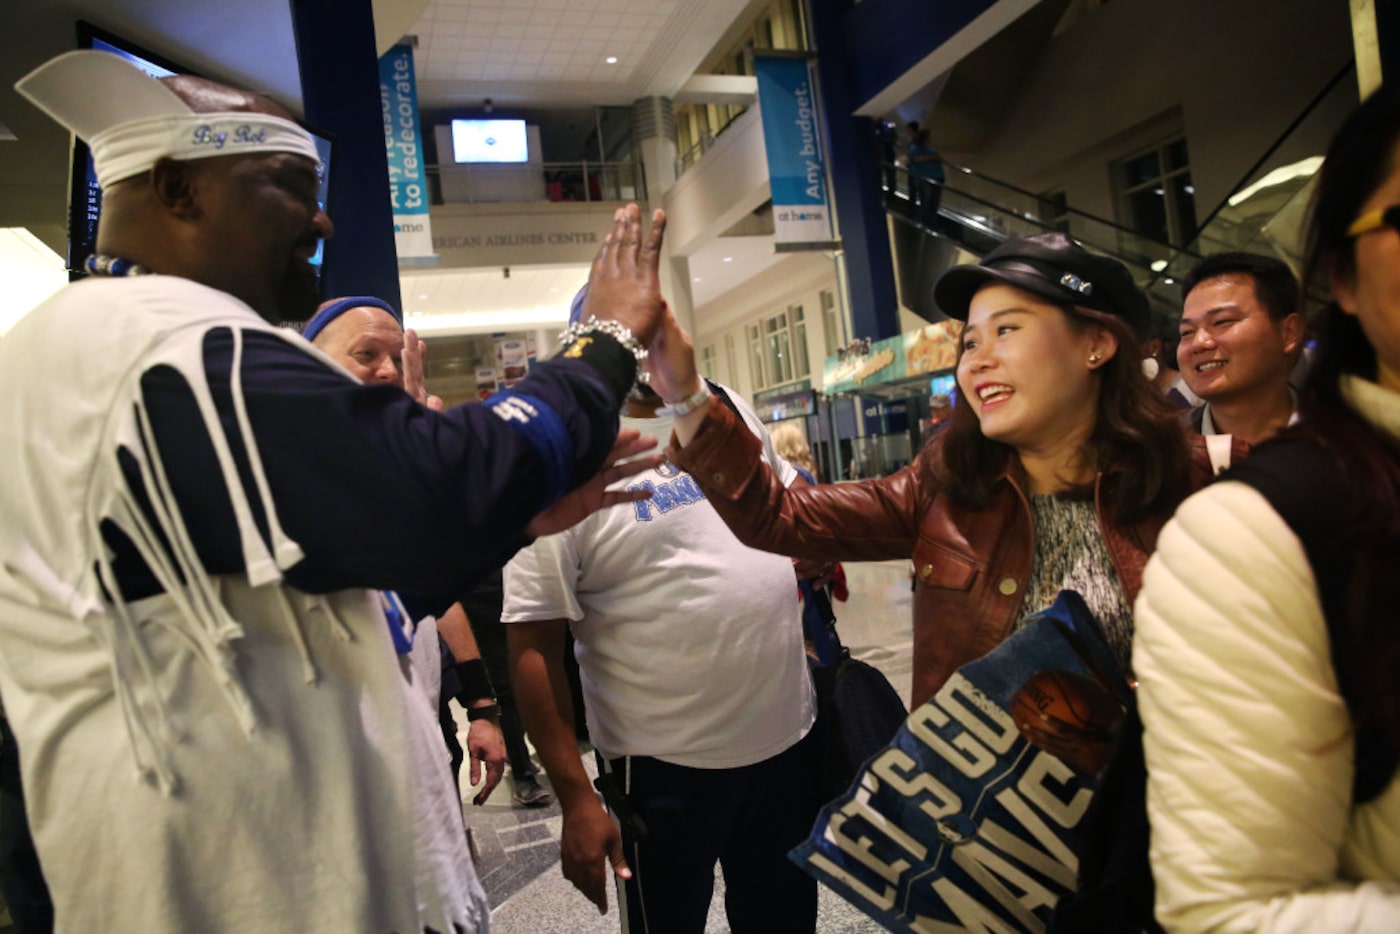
{"x":625,"y":285}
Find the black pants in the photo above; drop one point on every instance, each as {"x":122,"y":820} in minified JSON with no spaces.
{"x":927,"y":193}
{"x":746,"y":819}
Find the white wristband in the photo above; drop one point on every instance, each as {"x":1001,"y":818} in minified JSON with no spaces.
{"x":689,"y":403}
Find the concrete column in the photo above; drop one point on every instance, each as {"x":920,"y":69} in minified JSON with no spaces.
{"x":546,"y":342}
{"x":1375,"y":29}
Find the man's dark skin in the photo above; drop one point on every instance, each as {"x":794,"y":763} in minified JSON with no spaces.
{"x":248,"y":225}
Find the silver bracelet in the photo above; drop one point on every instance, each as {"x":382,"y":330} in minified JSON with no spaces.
{"x":614,"y":329}
{"x":689,"y":403}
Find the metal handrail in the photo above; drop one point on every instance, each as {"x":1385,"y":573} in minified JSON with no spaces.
{"x":1170,"y":252}
{"x":1065,"y":211}
{"x":1263,"y":160}
{"x":692,"y":155}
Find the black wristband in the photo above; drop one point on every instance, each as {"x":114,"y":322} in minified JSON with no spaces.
{"x":474,"y":682}
{"x":610,"y":360}
{"x":484,"y":712}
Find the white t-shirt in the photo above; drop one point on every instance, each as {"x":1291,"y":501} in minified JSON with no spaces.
{"x":689,"y":644}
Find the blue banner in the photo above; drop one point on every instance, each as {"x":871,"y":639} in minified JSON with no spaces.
{"x":792,"y":140}
{"x":973,"y":817}
{"x":403,"y":145}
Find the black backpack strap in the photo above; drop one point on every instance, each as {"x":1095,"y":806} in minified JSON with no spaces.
{"x":723,"y":396}
{"x":1301,"y":483}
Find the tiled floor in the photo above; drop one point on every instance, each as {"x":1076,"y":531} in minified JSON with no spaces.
{"x":518,"y":848}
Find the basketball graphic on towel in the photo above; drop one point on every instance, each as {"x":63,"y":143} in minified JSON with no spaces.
{"x":1068,"y":715}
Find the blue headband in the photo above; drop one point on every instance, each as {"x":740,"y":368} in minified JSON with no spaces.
{"x":339,"y":307}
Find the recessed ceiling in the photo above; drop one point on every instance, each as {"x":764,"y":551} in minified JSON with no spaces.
{"x":522,"y":52}
{"x":555,"y":51}
{"x":484,"y":301}
{"x":726,"y":263}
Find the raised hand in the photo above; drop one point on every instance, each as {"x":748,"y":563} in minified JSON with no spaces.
{"x":671,"y":361}
{"x":594,"y":495}
{"x":624,"y":284}
{"x":415,"y":353}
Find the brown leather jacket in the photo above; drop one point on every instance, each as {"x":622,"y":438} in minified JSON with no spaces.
{"x":972,"y":567}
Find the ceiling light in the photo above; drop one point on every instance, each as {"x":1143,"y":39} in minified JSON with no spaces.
{"x":729,"y":259}
{"x":1168,"y":281}
{"x":422,"y":296}
{"x":1159,"y":265}
{"x":696,"y":279}
{"x":611,"y":59}
{"x":416,"y":314}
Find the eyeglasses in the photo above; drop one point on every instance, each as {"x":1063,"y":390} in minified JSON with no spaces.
{"x":1375,"y":220}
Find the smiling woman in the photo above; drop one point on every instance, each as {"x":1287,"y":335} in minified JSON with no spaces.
{"x":1058,"y":467}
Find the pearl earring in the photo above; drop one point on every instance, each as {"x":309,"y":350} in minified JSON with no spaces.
{"x":1093,"y":359}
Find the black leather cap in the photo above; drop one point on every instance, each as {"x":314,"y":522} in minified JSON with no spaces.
{"x":1054,"y":267}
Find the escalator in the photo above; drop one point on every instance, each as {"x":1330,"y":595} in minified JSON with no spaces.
{"x":975,"y":213}
{"x":1265,"y":214}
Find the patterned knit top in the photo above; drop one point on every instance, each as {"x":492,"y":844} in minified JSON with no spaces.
{"x":1070,"y":555}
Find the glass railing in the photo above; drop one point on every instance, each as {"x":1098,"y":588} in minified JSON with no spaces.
{"x":550,"y":181}
{"x":977,"y":212}
{"x":1266,"y":214}
{"x":707,"y":139}
{"x":1268,"y":210}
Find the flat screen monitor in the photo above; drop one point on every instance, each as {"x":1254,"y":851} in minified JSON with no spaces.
{"x":85,"y":196}
{"x":489,"y":141}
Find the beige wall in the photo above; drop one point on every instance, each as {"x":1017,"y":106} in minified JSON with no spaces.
{"x":797,"y":280}
{"x":1231,"y":74}
{"x":719,"y":190}
{"x":549,"y":233}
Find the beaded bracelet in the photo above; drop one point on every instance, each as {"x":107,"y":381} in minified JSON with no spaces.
{"x":614,"y":329}
{"x":688,"y":404}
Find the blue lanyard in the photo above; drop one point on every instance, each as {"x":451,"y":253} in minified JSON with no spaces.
{"x":397,"y":618}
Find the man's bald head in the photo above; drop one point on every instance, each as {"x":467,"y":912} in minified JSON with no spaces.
{"x":367,"y":341}
{"x":205,"y":96}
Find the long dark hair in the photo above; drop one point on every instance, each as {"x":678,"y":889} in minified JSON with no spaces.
{"x":1360,"y":159}
{"x":1138,"y":438}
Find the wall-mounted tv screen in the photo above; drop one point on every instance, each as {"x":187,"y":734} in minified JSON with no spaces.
{"x":489,"y":141}
{"x":85,"y":196}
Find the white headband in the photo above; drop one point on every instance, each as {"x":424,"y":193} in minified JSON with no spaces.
{"x":132,"y":120}
{"x":132,"y":148}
